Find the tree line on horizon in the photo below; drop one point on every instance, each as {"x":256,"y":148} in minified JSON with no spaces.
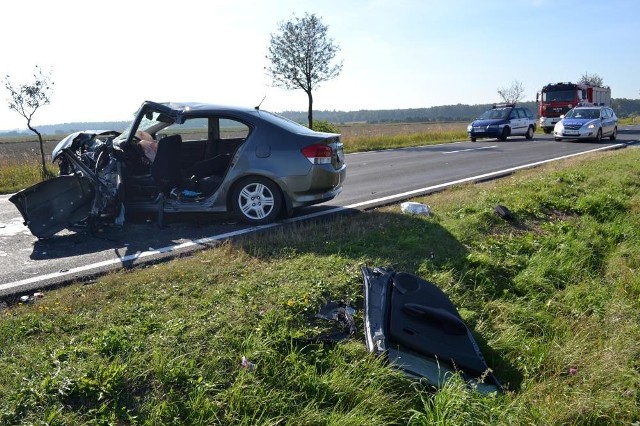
{"x":459,"y":112}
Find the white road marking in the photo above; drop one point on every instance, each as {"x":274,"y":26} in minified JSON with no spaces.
{"x":14,"y":227}
{"x":470,"y":149}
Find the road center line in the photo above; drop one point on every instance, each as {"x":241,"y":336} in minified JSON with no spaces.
{"x":470,"y":149}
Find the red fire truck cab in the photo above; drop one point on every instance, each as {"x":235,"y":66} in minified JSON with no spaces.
{"x":556,"y":99}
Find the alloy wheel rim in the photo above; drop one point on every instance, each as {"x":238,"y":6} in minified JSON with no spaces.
{"x":256,"y":201}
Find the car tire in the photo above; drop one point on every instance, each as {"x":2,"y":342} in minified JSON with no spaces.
{"x":529,"y":134}
{"x":547,"y":131}
{"x":472,"y":139}
{"x":505,"y":133}
{"x":256,"y":200}
{"x":614,"y":135}
{"x":558,"y":139}
{"x":598,"y":137}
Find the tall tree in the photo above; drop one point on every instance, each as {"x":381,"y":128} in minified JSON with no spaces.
{"x":512,"y":94}
{"x":27,"y":98}
{"x":300,"y":55}
{"x":591,"y":79}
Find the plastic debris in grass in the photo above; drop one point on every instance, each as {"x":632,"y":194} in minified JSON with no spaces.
{"x":246,"y":364}
{"x":411,"y":207}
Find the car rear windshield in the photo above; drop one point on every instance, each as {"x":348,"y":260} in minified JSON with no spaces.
{"x":284,"y":122}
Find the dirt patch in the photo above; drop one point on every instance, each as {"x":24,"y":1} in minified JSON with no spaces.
{"x":11,"y":151}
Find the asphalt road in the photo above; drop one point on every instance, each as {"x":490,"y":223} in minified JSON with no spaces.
{"x":373,"y":179}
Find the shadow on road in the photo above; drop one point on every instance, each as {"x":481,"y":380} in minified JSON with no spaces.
{"x":137,"y":235}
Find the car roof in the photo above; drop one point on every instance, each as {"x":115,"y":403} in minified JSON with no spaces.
{"x":592,"y":106}
{"x":190,"y":109}
{"x":200,"y":107}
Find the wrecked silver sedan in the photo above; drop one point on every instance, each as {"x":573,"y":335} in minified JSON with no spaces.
{"x":186,"y":157}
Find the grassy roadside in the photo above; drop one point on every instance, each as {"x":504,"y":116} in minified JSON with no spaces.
{"x":553,"y":298}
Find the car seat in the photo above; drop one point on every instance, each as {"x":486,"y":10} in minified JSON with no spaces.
{"x":165,"y":169}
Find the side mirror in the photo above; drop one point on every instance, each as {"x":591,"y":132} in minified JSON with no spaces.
{"x":562,"y":116}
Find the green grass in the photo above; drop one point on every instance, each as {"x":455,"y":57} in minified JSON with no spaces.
{"x":553,"y":298}
{"x":18,"y":174}
{"x":370,"y":143}
{"x":629,"y":120}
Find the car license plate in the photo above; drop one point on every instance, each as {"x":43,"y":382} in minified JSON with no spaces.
{"x":571,"y":132}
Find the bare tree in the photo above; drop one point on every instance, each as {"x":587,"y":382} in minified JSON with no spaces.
{"x":512,"y":94}
{"x":27,"y":98}
{"x":591,"y":79}
{"x":300,"y":56}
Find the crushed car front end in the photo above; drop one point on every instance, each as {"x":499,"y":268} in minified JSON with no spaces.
{"x":86,"y":191}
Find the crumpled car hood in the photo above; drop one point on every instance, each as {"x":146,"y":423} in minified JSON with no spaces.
{"x":79,"y":138}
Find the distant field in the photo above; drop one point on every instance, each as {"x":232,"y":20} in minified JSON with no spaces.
{"x":11,"y":150}
{"x":357,"y":130}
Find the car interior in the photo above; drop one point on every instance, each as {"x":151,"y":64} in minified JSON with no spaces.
{"x":190,"y":162}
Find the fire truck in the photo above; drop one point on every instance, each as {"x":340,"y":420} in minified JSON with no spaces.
{"x":556,"y":99}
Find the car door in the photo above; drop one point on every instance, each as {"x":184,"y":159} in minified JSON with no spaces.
{"x":517,"y":122}
{"x":611,"y":120}
{"x":605,"y":119}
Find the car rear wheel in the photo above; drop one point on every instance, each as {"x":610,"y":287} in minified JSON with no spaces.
{"x":598,"y":137}
{"x":614,"y":135}
{"x":529,"y":134}
{"x":257,"y":200}
{"x":558,"y":139}
{"x":472,"y":139}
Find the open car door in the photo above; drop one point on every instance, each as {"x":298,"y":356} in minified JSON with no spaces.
{"x":53,"y":205}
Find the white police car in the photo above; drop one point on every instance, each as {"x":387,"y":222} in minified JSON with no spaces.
{"x":587,"y":122}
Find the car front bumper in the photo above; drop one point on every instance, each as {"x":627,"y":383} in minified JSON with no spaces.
{"x":485,"y":132}
{"x":576,"y":134}
{"x":546,"y":122}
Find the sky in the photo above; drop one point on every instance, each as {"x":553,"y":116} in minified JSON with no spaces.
{"x":106,"y":58}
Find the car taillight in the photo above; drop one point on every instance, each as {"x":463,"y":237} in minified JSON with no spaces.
{"x":318,"y":153}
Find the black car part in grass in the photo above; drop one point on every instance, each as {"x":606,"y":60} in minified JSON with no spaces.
{"x":414,"y":324}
